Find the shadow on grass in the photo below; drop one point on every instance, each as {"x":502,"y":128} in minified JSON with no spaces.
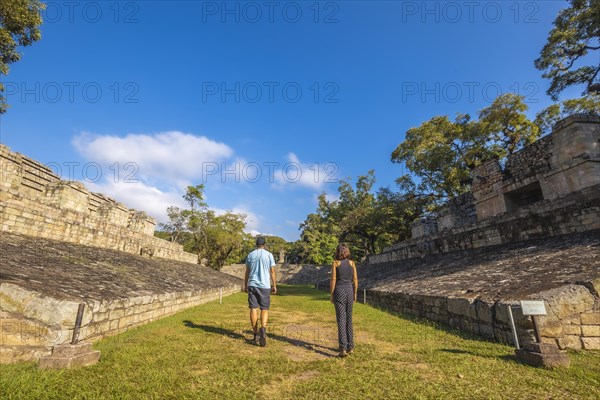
{"x":219,"y":330}
{"x":314,"y":347}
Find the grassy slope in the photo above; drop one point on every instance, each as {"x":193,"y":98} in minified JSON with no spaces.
{"x":202,"y":353}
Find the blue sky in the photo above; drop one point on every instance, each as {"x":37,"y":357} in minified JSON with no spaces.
{"x":139,"y":99}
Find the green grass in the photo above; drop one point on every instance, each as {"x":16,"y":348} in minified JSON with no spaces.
{"x":201,"y":353}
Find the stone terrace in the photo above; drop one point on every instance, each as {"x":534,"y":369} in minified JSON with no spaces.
{"x":43,"y":281}
{"x":471,"y":289}
{"x":509,"y":272}
{"x":75,"y":272}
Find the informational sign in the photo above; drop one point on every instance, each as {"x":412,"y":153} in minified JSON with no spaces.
{"x":533,"y":307}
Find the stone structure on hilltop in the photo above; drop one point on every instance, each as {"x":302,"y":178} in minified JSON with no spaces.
{"x":541,"y":192}
{"x":36,"y":202}
{"x":64,"y":249}
{"x":528,"y":230}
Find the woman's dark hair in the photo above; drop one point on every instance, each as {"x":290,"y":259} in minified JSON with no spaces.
{"x":342,"y":252}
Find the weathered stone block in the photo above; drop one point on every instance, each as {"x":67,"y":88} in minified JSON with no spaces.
{"x":591,"y":343}
{"x":590,"y":318}
{"x":79,"y":360}
{"x":569,"y":342}
{"x":12,"y":354}
{"x":548,"y":340}
{"x":462,"y":306}
{"x":572,"y":329}
{"x":552,"y":329}
{"x":486,"y":330}
{"x":116,"y":314}
{"x":32,"y":305}
{"x":567,"y":300}
{"x":484,"y":311}
{"x":571,"y":320}
{"x":590,"y":330}
{"x":542,"y":360}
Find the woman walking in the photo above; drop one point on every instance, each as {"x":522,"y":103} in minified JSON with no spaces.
{"x":343,"y":290}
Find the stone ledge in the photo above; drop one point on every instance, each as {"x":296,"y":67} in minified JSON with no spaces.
{"x":70,"y":356}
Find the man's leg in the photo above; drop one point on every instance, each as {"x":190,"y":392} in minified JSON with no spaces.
{"x":254,"y":319}
{"x":265,"y":303}
{"x":264,"y":318}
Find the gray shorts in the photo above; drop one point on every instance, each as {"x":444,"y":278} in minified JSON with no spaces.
{"x":258,"y":297}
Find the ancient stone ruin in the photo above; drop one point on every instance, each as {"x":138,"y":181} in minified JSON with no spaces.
{"x":63,"y":249}
{"x":527,"y":230}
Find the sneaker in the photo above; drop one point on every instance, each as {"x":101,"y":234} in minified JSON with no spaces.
{"x":343,"y":353}
{"x":262,"y":339}
{"x":255,"y":339}
{"x":350,"y":351}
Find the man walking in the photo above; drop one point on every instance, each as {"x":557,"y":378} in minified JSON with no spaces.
{"x":260,"y":282}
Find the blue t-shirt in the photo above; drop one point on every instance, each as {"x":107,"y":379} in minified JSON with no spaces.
{"x":259,"y":262}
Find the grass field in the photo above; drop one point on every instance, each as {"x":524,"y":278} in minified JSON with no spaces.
{"x":202,"y":353}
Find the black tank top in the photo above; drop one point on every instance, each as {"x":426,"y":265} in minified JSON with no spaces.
{"x":344,"y":274}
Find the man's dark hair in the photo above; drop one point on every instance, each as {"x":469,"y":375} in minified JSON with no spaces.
{"x":260,"y":241}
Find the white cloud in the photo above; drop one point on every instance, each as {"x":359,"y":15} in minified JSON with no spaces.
{"x":153,"y":201}
{"x":163,"y":165}
{"x":140,"y":197}
{"x":313,"y":176}
{"x":331,"y":197}
{"x":252,"y":219}
{"x":171,"y":157}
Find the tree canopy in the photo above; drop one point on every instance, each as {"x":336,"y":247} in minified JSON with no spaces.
{"x":576,"y":34}
{"x":219,"y":239}
{"x":588,"y":105}
{"x":440,"y":153}
{"x":19,"y":26}
{"x":364,"y":219}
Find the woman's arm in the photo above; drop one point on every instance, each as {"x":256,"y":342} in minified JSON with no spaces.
{"x":332,"y":281}
{"x":355,"y":280}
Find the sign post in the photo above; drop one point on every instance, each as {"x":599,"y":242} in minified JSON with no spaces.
{"x":539,"y":354}
{"x":512,"y":326}
{"x":533,"y":308}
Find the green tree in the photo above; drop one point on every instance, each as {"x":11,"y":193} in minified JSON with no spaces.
{"x":440,"y":154}
{"x":224,"y":235}
{"x":504,"y":126}
{"x":178,"y":222}
{"x":317,"y":241}
{"x":397,"y":211}
{"x":19,"y":26}
{"x":216,"y":238}
{"x":575,"y":34}
{"x":367,"y":221}
{"x":436,"y":154}
{"x":587,"y":105}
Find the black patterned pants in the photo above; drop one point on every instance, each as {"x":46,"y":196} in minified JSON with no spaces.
{"x":343,"y":300}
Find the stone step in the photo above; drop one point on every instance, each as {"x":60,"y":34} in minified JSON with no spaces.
{"x":81,"y":360}
{"x":71,"y":350}
{"x":542,"y":360}
{"x":544,"y":348}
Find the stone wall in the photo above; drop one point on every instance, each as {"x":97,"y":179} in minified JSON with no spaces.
{"x":36,"y":202}
{"x":576,"y":212}
{"x":457,"y":212}
{"x":563,"y":162}
{"x":470,"y":289}
{"x":44,"y":281}
{"x":573,"y":320}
